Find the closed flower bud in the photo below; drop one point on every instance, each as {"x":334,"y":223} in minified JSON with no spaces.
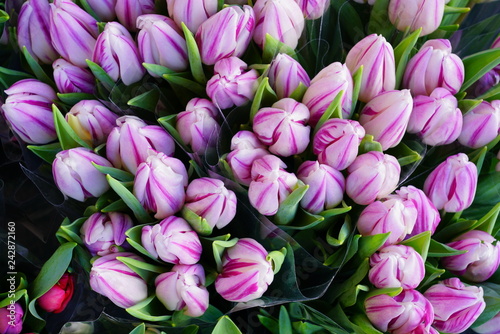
{"x":160,"y":184}
{"x":105,"y":9}
{"x":271,"y":184}
{"x":396,"y":266}
{"x":246,"y":272}
{"x":452,"y":185}
{"x":198,"y":125}
{"x":372,"y":176}
{"x":114,"y":279}
{"x":232,"y":84}
{"x":128,"y":143}
{"x":14,"y":324}
{"x":192,"y":12}
{"x":456,"y":305}
{"x":427,"y":215}
{"x":285,"y":74}
{"x":72,"y":79}
{"x":412,"y":15}
{"x":161,"y":42}
{"x":225,"y":34}
{"x":283,"y":20}
{"x":56,"y":299}
{"x":376,"y":56}
{"x":487,"y":81}
{"x":481,"y":260}
{"x":28,"y":109}
{"x":386,"y":117}
{"x":313,"y":9}
{"x":76,"y":177}
{"x":183,"y":288}
{"x":432,"y":67}
{"x":489,"y":327}
{"x":127,"y":11}
{"x":283,"y":127}
{"x":436,"y":119}
{"x":337,"y":141}
{"x":116,"y":52}
{"x":102,"y":232}
{"x":326,"y":186}
{"x":481,"y":125}
{"x":172,"y":240}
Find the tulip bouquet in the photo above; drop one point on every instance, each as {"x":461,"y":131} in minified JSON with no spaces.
{"x":298,"y":166}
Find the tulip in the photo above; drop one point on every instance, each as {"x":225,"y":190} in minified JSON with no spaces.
{"x":337,"y":141}
{"x":128,"y":143}
{"x":452,"y":185}
{"x":286,"y":74}
{"x":91,"y":121}
{"x":487,"y":81}
{"x":161,"y":42}
{"x":481,"y":125}
{"x":57,"y":298}
{"x":412,"y":15}
{"x":270,"y":184}
{"x":232,"y":84}
{"x":283,"y":127}
{"x":28,"y":109}
{"x":481,"y":260}
{"x":128,"y":11}
{"x":408,"y":312}
{"x":372,"y":176}
{"x":198,"y":125}
{"x":67,"y":20}
{"x":103,"y":232}
{"x":376,"y":56}
{"x":76,"y":177}
{"x":160,"y":184}
{"x":436,"y":118}
{"x":191,"y":12}
{"x":313,"y":9}
{"x":325,"y":87}
{"x":12,"y":319}
{"x":172,"y":240}
{"x":489,"y":327}
{"x":105,"y":9}
{"x":386,"y":117}
{"x":114,"y":279}
{"x":326,"y":186}
{"x":212,"y":201}
{"x":183,"y":288}
{"x":456,"y":305}
{"x":33,"y":31}
{"x":72,"y":79}
{"x":246,"y":272}
{"x":432,"y":67}
{"x":225,"y":34}
{"x":116,"y":52}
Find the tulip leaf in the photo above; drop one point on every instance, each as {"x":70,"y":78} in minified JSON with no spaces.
{"x":89,"y":9}
{"x":303,"y":221}
{"x":479,"y":64}
{"x":288,"y":208}
{"x":357,"y":78}
{"x":437,"y":249}
{"x":4,"y":17}
{"x":8,"y":77}
{"x":327,"y":214}
{"x":285,"y":324}
{"x":277,"y":258}
{"x":368,"y":144}
{"x":199,"y":224}
{"x":431,"y":273}
{"x":116,"y":173}
{"x":194,"y":56}
{"x":492,"y":94}
{"x":468,"y":105}
{"x":141,"y":329}
{"x":264,"y":96}
{"x":192,"y":329}
{"x":477,"y":156}
{"x":145,"y":310}
{"x":492,"y":300}
{"x":369,"y":244}
{"x":37,"y":69}
{"x":16,"y":297}
{"x":452,"y":230}
{"x":160,"y":70}
{"x":71,"y":230}
{"x":46,"y":152}
{"x":218,"y":247}
{"x":101,"y":75}
{"x":67,"y":136}
{"x":118,"y":205}
{"x":405,"y":154}
{"x":134,"y":239}
{"x":271,"y":324}
{"x":226,"y":326}
{"x":73,"y":98}
{"x":145,"y":270}
{"x":129,"y":199}
{"x":272,"y":47}
{"x":455,"y":10}
{"x":402,"y":54}
{"x":303,"y":312}
{"x":147,"y":100}
{"x":188,"y":84}
{"x":364,"y":324}
{"x":392,"y":292}
{"x":168,"y":123}
{"x":488,"y":221}
{"x":343,"y":234}
{"x":299,"y":92}
{"x":349,"y":299}
{"x":349,"y":285}
{"x":334,"y":110}
{"x":420,"y":243}
{"x":379,"y":19}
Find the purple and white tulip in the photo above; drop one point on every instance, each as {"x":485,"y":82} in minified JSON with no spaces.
{"x":12,"y":318}
{"x":412,"y":15}
{"x":191,"y":12}
{"x":286,"y":74}
{"x":105,"y":9}
{"x":70,"y":78}
{"x":127,"y":11}
{"x":481,"y":125}
{"x":313,"y":9}
{"x":489,"y":327}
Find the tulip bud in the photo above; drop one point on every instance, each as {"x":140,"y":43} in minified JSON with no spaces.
{"x":56,"y":299}
{"x":285,"y":74}
{"x":232,"y":84}
{"x":198,"y":125}
{"x":436,"y":118}
{"x":325,"y":87}
{"x":337,"y":141}
{"x":489,"y":327}
{"x":452,"y":185}
{"x":191,"y":12}
{"x":408,"y":312}
{"x":28,"y":109}
{"x":72,"y":79}
{"x":116,"y":52}
{"x":481,"y":125}
{"x":128,"y":11}
{"x":481,"y":260}
{"x":183,"y":288}
{"x":372,"y":176}
{"x":211,"y":200}
{"x":283,"y":127}
{"x":173,"y":241}
{"x":412,"y":15}
{"x":270,"y":185}
{"x":246,"y":272}
{"x":427,"y":215}
{"x":487,"y":81}
{"x":105,"y":9}
{"x":114,"y":279}
{"x":12,"y":319}
{"x":434,"y":66}
{"x":102,"y":232}
{"x":67,"y":20}
{"x":76,"y":177}
{"x":313,"y":9}
{"x":161,"y":42}
{"x":128,"y":143}
{"x":33,"y":31}
{"x":376,"y":55}
{"x":456,"y":305}
{"x":160,"y":184}
{"x":326,"y":186}
{"x":225,"y":34}
{"x":386,"y":117}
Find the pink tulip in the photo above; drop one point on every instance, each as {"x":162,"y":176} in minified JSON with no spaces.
{"x":412,"y":15}
{"x":313,"y":9}
{"x":127,"y":11}
{"x":481,"y":125}
{"x":72,"y":79}
{"x":57,"y":298}
{"x":105,"y":9}
{"x":12,"y":319}
{"x":489,"y":327}
{"x":285,"y":74}
{"x":192,"y":12}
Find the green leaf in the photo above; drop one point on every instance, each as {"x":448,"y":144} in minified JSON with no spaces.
{"x":46,"y":152}
{"x":74,"y":98}
{"x":285,"y":324}
{"x":479,"y":64}
{"x":379,"y":19}
{"x":129,"y":199}
{"x":271,"y":324}
{"x":4,"y":17}
{"x":141,"y":329}
{"x":468,"y":105}
{"x":402,"y":54}
{"x":145,"y":270}
{"x":299,"y":92}
{"x":405,"y":154}
{"x":218,"y":247}
{"x":450,"y":28}
{"x":134,"y":235}
{"x":194,"y":56}
{"x":118,"y":205}
{"x":420,"y":243}
{"x":72,"y":229}
{"x":67,"y":136}
{"x":160,"y":70}
{"x":101,"y":75}
{"x":357,"y":78}
{"x":366,"y":327}
{"x":371,"y":243}
{"x":455,"y":10}
{"x":343,"y":234}
{"x":192,"y":329}
{"x":368,"y":144}
{"x":37,"y":69}
{"x":89,"y":9}
{"x":431,"y":273}
{"x":492,"y":300}
{"x":272,"y":47}
{"x":288,"y":208}
{"x":264,"y":96}
{"x":303,"y":221}
{"x":393,"y":292}
{"x":437,"y":249}
{"x":277,"y":258}
{"x":188,"y":84}
{"x":226,"y":326}
{"x":488,"y":221}
{"x":199,"y":224}
{"x":115,"y":173}
{"x":17,"y":296}
{"x":350,"y":298}
{"x":168,"y":123}
{"x":8,"y":77}
{"x":309,"y":314}
{"x":334,"y":110}
{"x":150,"y":309}
{"x":492,"y":94}
{"x":147,"y":100}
